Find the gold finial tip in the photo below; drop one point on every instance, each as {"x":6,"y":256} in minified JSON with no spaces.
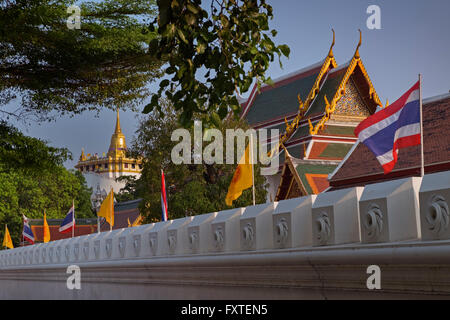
{"x":330,"y":53}
{"x":118,"y":129}
{"x":359,"y":44}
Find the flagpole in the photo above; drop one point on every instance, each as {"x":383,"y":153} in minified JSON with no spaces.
{"x":23,"y":238}
{"x":163,"y":192}
{"x":73,"y":218}
{"x":253,"y":171}
{"x":111,"y":211}
{"x":422,"y":162}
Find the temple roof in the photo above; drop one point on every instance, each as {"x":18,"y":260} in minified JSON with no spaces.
{"x":322,"y":150}
{"x":315,"y":175}
{"x":280,"y":99}
{"x":347,"y":95}
{"x":330,"y":85}
{"x":123,"y":213}
{"x":302,"y":103}
{"x":301,"y":177}
{"x":361,"y":167}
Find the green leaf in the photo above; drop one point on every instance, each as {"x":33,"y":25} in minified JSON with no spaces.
{"x":169,"y":31}
{"x":171,"y":70}
{"x":153,"y":46}
{"x":285,"y":50}
{"x":201,"y":47}
{"x":216,"y":120}
{"x":148,"y":108}
{"x":164,"y":83}
{"x":224,"y":21}
{"x":192,"y":8}
{"x":181,"y":71}
{"x":190,"y":19}
{"x":223,"y":111}
{"x":181,"y":35}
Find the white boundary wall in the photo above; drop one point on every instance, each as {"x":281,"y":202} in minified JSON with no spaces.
{"x":270,"y":251}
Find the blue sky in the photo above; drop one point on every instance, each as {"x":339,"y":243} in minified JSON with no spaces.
{"x":413,"y":39}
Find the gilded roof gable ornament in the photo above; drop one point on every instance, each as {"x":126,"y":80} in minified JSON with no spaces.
{"x":300,"y":102}
{"x":356,"y":55}
{"x":331,"y":106}
{"x":328,"y":64}
{"x":294,"y":173}
{"x":330,"y":52}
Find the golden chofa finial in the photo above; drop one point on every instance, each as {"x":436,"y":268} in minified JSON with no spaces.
{"x":330,"y":52}
{"x":359,"y":44}
{"x":300,"y":102}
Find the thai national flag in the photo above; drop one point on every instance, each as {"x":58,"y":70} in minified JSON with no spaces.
{"x":395,"y":127}
{"x":69,"y":221}
{"x":27,"y":233}
{"x":164,"y":216}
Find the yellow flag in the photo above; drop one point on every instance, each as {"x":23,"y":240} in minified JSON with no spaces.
{"x":7,"y":242}
{"x":46,"y":230}
{"x":107,"y":208}
{"x":242,"y":179}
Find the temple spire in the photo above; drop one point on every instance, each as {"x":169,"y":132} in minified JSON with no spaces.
{"x":118,"y":145}
{"x":83,"y":156}
{"x":118,"y":129}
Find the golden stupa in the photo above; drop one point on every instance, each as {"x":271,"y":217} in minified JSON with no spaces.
{"x":115,"y":163}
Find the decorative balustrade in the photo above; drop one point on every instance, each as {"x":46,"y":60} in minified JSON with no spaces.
{"x":302,"y":245}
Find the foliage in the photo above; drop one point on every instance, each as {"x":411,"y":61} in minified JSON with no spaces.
{"x":127,"y":193}
{"x":211,"y":55}
{"x":191,"y":188}
{"x":31,"y":194}
{"x":54,"y":68}
{"x":32,"y":179}
{"x":18,"y":151}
